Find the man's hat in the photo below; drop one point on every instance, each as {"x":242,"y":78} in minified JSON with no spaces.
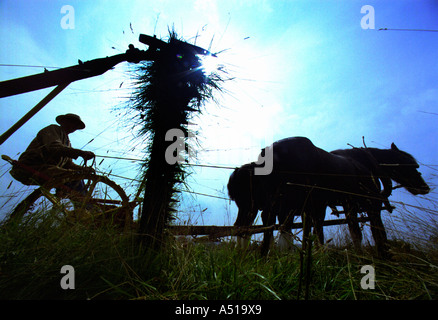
{"x":71,"y":117}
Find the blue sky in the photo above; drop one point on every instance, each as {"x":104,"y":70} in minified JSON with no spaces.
{"x":301,"y":68}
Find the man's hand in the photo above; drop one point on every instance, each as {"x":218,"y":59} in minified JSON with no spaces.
{"x":88,"y":170}
{"x":87,"y":155}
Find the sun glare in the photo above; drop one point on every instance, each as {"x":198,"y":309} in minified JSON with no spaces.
{"x":210,"y":64}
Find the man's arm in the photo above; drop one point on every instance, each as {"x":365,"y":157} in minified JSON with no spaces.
{"x":54,"y":146}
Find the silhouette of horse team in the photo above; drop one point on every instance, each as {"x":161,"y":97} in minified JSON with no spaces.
{"x":306,"y":179}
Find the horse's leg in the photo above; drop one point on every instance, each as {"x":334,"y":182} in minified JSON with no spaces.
{"x":268,"y":218}
{"x":307,"y":225}
{"x":243,"y":241}
{"x":353,"y":226}
{"x":245,"y":218}
{"x":285,"y":219}
{"x":286,"y":215}
{"x":318,"y":217}
{"x":379,"y":233}
{"x":286,"y":240}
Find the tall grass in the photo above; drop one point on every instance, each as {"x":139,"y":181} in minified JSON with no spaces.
{"x":108,"y":265}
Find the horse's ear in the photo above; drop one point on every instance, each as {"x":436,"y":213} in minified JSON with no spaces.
{"x":394,"y":147}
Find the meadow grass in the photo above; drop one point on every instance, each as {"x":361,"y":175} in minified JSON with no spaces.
{"x":109,"y":265}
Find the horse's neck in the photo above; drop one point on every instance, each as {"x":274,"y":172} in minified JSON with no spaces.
{"x":382,"y":155}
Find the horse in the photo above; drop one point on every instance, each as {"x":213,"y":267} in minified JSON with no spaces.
{"x":251,"y":193}
{"x":387,"y":165}
{"x":248,"y":192}
{"x":304,"y":180}
{"x":393,"y":163}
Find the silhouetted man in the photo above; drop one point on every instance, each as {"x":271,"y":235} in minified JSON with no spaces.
{"x":50,"y":154}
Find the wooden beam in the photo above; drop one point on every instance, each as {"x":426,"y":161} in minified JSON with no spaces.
{"x":225,"y":231}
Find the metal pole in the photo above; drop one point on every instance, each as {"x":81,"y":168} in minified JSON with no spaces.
{"x":32,"y":112}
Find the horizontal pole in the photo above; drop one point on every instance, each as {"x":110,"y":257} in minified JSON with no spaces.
{"x":224,"y":231}
{"x":61,"y":76}
{"x":70,"y":74}
{"x":32,"y":112}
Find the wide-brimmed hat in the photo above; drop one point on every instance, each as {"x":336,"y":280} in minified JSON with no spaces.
{"x":71,"y":117}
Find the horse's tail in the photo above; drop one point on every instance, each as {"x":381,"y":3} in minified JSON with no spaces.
{"x":232,"y":185}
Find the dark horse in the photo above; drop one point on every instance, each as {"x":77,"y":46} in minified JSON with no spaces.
{"x":387,"y":165}
{"x":305,"y":179}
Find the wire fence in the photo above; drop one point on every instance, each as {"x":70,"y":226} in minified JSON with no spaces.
{"x":4,"y":170}
{"x":222,"y":167}
{"x":415,"y":226}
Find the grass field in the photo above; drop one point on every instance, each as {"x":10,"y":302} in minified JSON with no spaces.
{"x":108,"y":265}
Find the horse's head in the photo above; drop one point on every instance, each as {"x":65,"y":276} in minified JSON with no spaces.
{"x":402,"y":168}
{"x":245,"y":189}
